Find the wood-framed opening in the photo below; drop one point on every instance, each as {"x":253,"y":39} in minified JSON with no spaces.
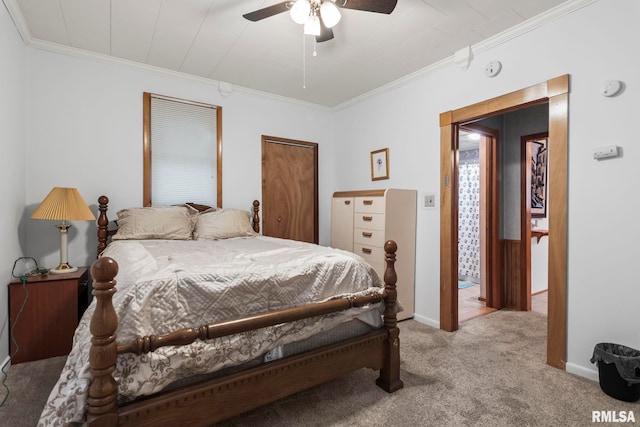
{"x":524,"y":303}
{"x":146,"y":145}
{"x":556,"y":93}
{"x":489,"y":221}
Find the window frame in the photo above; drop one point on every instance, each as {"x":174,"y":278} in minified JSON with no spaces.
{"x":146,"y":145}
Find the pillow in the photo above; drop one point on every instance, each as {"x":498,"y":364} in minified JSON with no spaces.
{"x":223,"y":224}
{"x":170,"y":223}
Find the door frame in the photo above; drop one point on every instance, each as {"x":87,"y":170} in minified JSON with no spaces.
{"x":524,"y":302}
{"x":491,"y":202}
{"x":555,"y":92}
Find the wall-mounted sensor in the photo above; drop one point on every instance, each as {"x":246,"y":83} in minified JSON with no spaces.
{"x":611,"y":88}
{"x":606,"y":152}
{"x":493,"y":68}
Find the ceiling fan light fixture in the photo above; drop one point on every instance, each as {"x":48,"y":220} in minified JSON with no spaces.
{"x":330,"y":13}
{"x":300,"y":11}
{"x":312,"y":26}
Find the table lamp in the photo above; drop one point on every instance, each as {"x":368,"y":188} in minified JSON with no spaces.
{"x":63,"y":204}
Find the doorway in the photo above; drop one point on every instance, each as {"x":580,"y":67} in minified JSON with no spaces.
{"x":534,"y":204}
{"x":290,"y":189}
{"x":478,"y":290}
{"x":555,"y":93}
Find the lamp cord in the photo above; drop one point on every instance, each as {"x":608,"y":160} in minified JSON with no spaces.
{"x":23,"y":278}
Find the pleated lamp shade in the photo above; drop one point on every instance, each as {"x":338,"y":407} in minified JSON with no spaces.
{"x":63,"y":204}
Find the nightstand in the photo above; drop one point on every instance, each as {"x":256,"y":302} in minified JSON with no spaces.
{"x":53,"y":307}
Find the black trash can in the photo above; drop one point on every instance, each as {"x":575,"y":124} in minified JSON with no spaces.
{"x":618,"y":370}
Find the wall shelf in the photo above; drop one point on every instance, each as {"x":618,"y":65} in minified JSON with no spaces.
{"x":539,"y":234}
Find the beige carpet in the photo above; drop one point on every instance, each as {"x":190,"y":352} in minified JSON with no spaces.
{"x":489,"y":373}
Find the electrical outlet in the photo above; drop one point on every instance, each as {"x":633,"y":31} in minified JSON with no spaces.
{"x":429,"y":201}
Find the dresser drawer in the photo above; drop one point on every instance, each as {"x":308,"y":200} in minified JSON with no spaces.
{"x":369,"y":221}
{"x":368,"y":237}
{"x":374,"y":255}
{"x":369,"y":204}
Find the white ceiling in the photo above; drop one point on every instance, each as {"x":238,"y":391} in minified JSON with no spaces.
{"x":211,"y":39}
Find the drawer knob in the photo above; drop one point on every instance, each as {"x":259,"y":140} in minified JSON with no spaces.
{"x":367,"y":218}
{"x":366,"y":250}
{"x":367,"y":202}
{"x":367,"y":233}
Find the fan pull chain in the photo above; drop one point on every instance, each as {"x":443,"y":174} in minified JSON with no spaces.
{"x":314,"y":47}
{"x":304,"y":63}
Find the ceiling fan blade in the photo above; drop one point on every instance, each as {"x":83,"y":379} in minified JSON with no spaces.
{"x":266,"y":12}
{"x":325,"y":32}
{"x":379,"y":6}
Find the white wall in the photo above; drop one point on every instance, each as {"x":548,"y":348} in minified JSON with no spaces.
{"x":12,"y":173}
{"x":81,"y":109}
{"x":602,"y":223}
{"x":85,"y":131}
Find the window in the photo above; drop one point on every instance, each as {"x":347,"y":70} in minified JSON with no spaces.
{"x":182,"y":145}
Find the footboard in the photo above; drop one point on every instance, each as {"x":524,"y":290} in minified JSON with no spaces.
{"x":214,"y":400}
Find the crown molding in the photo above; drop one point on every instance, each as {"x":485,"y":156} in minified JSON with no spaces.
{"x":80,"y":53}
{"x":18,"y":20}
{"x":537,"y":21}
{"x":531,"y":24}
{"x":483,"y":46}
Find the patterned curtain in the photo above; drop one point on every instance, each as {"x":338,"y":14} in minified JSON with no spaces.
{"x":469,"y":216}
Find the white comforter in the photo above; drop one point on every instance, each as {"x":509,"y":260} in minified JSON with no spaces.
{"x":166,"y":285}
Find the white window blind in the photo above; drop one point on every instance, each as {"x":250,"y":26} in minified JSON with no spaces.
{"x":183,"y":152}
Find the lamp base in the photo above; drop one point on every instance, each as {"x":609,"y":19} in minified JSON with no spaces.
{"x":63,"y":268}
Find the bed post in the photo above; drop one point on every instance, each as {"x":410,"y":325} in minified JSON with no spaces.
{"x":103,"y":392}
{"x":256,"y":218}
{"x":389,"y":379}
{"x":103,"y":224}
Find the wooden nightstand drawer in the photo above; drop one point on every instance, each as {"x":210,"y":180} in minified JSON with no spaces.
{"x":44,"y":313}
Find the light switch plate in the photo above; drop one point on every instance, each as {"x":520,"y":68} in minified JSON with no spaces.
{"x":429,"y":201}
{"x":605,"y":152}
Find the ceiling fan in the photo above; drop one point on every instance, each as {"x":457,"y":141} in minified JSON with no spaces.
{"x":320,"y":16}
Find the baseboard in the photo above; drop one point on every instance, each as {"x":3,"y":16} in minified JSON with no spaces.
{"x":426,"y":321}
{"x":581,"y":371}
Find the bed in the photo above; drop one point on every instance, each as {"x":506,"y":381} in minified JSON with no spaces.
{"x":200,"y":341}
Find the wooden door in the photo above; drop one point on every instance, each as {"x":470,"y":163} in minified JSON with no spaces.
{"x":290,"y":189}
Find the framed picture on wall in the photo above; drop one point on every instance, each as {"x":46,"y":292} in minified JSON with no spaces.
{"x":537,"y":147}
{"x":380,"y":164}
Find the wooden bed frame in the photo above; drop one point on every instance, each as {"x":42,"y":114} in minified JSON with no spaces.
{"x":214,"y":400}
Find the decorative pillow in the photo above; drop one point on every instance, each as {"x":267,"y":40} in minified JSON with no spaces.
{"x":223,"y":224}
{"x":170,"y":223}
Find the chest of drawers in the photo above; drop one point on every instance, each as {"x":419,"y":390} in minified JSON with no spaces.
{"x":362,"y":221}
